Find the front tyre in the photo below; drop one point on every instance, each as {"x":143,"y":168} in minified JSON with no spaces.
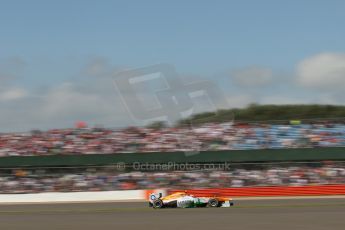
{"x":158,"y":203}
{"x":213,"y":203}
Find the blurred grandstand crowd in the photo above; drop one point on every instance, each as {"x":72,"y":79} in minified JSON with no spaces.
{"x":223,"y":136}
{"x":107,"y":179}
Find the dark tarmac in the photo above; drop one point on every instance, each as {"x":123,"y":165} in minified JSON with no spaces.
{"x":294,"y":214}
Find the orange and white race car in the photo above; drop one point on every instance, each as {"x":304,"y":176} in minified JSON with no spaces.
{"x":186,"y":200}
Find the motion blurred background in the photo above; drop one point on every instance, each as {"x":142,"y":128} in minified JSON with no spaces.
{"x":262,"y":153}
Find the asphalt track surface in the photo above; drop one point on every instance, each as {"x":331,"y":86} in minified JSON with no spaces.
{"x":301,"y":214}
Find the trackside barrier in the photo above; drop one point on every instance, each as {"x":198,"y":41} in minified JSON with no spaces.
{"x":52,"y":197}
{"x":65,"y":197}
{"x":312,"y":190}
{"x":134,"y":195}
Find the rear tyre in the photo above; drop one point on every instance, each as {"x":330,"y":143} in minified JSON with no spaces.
{"x":158,"y":203}
{"x":213,"y":203}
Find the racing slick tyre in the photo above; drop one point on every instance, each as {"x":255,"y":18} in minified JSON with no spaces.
{"x":158,"y":203}
{"x":213,"y":203}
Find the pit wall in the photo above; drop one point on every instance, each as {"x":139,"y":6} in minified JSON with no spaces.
{"x":142,"y":195}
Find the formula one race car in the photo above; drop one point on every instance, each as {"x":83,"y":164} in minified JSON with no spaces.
{"x":185,"y":200}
